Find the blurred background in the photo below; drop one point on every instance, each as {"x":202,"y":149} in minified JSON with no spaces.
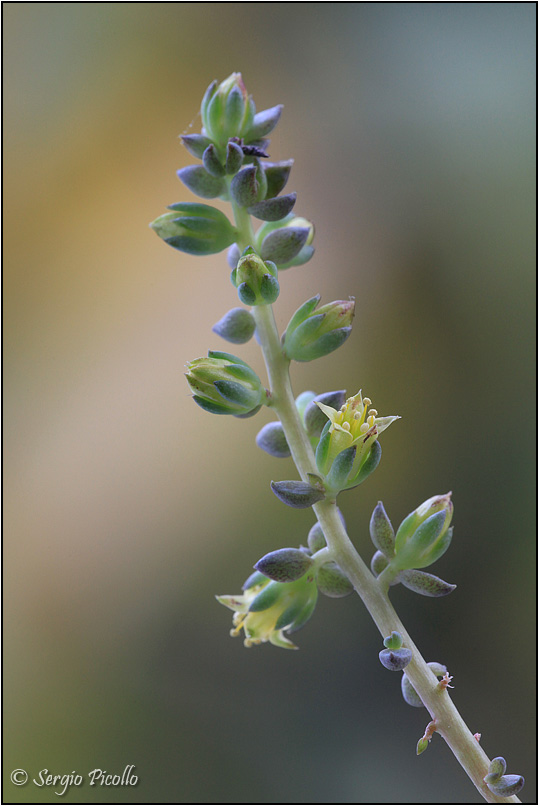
{"x":127,"y":508}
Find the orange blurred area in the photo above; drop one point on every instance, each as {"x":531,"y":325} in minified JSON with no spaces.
{"x":127,"y":508}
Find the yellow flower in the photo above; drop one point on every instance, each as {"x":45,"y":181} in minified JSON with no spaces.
{"x":267,"y":608}
{"x":355,"y":426}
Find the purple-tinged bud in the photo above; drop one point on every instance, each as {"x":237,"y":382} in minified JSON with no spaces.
{"x":395,"y":659}
{"x":196,"y":144}
{"x":314,"y":418}
{"x":249,"y":185}
{"x":296,"y":494}
{"x":284,"y":565}
{"x":237,"y":326}
{"x":233,"y":255}
{"x":234,"y":158}
{"x":264,"y":122}
{"x":273,"y":209}
{"x":199,"y":181}
{"x":271,"y":439}
{"x":425,"y":584}
{"x":212,"y":163}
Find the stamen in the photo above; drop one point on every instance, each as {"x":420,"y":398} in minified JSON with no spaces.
{"x":237,"y":621}
{"x":373,"y":413}
{"x":346,"y":426}
{"x":367,"y":402}
{"x":363,"y":427}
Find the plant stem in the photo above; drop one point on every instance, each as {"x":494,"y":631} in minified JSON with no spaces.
{"x":435,"y":698}
{"x":373,"y":593}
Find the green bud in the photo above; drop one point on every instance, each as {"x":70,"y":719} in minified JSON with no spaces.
{"x":425,"y":584}
{"x":314,"y":333}
{"x":393,"y":641}
{"x":333,"y":582}
{"x":199,"y":181}
{"x":424,"y":535}
{"x":224,"y":384}
{"x":296,"y":494}
{"x":265,"y":610}
{"x":255,"y":279}
{"x":227,"y":110}
{"x":422,"y":745}
{"x":197,"y":229}
{"x":284,"y":565}
{"x":271,"y":438}
{"x":381,"y":531}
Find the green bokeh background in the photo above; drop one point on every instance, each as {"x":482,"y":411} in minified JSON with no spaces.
{"x":127,"y":508}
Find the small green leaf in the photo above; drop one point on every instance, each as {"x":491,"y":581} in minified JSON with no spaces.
{"x":381,"y":531}
{"x":332,"y":582}
{"x":393,"y":641}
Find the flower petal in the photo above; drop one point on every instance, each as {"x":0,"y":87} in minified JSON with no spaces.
{"x":277,"y":639}
{"x":236,"y":603}
{"x":384,"y":422}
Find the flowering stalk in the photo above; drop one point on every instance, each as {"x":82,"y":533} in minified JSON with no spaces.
{"x":333,"y":441}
